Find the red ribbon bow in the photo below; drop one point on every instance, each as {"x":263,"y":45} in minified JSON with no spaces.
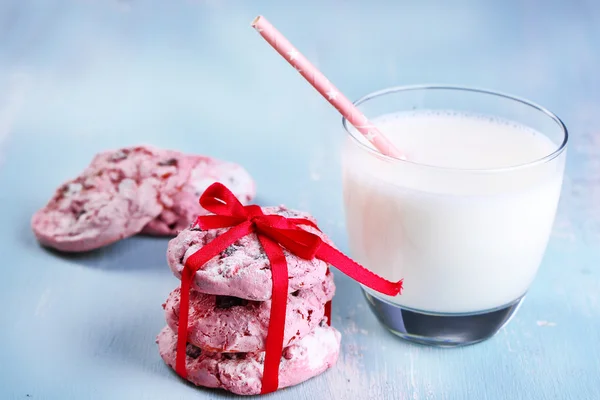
{"x":273,"y":232}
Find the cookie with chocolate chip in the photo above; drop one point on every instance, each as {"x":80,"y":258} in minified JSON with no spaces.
{"x":228,"y":324}
{"x":118,"y":194}
{"x":132,"y":189}
{"x":241,"y":373}
{"x":198,"y":173}
{"x":243,"y":269}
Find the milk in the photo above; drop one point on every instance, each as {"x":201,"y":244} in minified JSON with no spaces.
{"x":464,"y":238}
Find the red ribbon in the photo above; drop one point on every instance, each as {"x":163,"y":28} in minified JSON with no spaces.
{"x":273,"y":232}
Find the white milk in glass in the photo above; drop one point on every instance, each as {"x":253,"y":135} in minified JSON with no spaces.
{"x":464,"y":237}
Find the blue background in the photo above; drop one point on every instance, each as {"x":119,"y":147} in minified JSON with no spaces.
{"x":77,"y":77}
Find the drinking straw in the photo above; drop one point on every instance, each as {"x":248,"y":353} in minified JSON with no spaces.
{"x":324,"y":87}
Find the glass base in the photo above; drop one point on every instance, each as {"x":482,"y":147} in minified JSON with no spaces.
{"x":442,"y":330}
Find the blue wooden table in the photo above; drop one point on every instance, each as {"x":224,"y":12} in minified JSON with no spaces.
{"x":77,"y":77}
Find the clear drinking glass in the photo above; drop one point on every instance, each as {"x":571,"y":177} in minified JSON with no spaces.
{"x":467,"y":240}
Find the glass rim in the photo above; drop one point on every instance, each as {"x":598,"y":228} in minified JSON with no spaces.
{"x":394,"y":89}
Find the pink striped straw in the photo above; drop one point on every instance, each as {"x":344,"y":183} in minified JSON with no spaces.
{"x":323,"y":86}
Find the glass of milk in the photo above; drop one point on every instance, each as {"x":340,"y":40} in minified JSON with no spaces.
{"x":465,"y":220}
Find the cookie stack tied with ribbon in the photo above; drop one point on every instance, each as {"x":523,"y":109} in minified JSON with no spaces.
{"x":252,"y":314}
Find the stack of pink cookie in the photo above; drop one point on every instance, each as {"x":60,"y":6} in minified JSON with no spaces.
{"x":229,"y":313}
{"x":131,"y":190}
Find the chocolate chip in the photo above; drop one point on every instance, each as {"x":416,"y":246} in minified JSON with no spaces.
{"x":323,"y":323}
{"x":70,"y":189}
{"x":231,"y":249}
{"x":296,"y":293}
{"x":195,"y":227}
{"x":192,"y":351}
{"x":224,"y":302}
{"x":119,"y":155}
{"x":171,"y":162}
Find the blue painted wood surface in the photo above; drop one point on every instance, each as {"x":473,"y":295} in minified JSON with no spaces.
{"x":77,"y":77}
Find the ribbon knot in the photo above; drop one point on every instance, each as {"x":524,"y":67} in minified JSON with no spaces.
{"x":274,"y":232}
{"x":229,"y":212}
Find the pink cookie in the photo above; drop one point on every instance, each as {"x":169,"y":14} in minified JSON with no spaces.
{"x":232,"y":325}
{"x":169,"y":169}
{"x":116,"y":196}
{"x":199,"y":173}
{"x":241,"y":373}
{"x":93,"y":211}
{"x":243,"y":269}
